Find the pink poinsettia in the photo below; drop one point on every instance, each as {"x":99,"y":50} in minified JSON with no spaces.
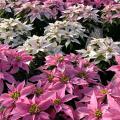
{"x":93,"y":111}
{"x":68,"y":70}
{"x":18,"y":60}
{"x":48,"y":76}
{"x":59,"y":59}
{"x":44,"y":90}
{"x":11,"y":58}
{"x":114,"y":109}
{"x":111,"y":12}
{"x":59,"y":99}
{"x":104,"y":2}
{"x":85,"y":76}
{"x":101,"y":92}
{"x":40,"y":89}
{"x":4,"y":74}
{"x":11,"y":61}
{"x":31,"y":109}
{"x":65,"y":75}
{"x":15,"y":93}
{"x":73,"y":58}
{"x":55,"y":6}
{"x":53,"y":60}
{"x":98,"y":3}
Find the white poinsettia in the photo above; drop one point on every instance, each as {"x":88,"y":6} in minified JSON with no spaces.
{"x":64,"y":31}
{"x":79,"y":11}
{"x":35,"y":44}
{"x":117,"y":0}
{"x":101,"y":49}
{"x":13,"y":31}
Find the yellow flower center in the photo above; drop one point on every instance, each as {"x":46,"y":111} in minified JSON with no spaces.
{"x":82,"y":74}
{"x":110,"y":49}
{"x":18,"y":58}
{"x":98,"y":114}
{"x":15,"y":95}
{"x":104,"y":91}
{"x":34,"y":109}
{"x":64,"y":79}
{"x":86,"y":64}
{"x":39,"y":91}
{"x":50,"y":78}
{"x":60,"y":59}
{"x":57,"y":101}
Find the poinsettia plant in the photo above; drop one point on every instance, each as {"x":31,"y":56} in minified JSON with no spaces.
{"x":59,"y":60}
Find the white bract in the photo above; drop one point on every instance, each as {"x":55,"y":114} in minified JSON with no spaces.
{"x":117,"y":0}
{"x":101,"y":49}
{"x":64,"y":31}
{"x":35,"y":44}
{"x":13,"y":32}
{"x":80,"y":11}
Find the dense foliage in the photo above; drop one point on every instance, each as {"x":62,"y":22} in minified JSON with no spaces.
{"x":59,"y":60}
